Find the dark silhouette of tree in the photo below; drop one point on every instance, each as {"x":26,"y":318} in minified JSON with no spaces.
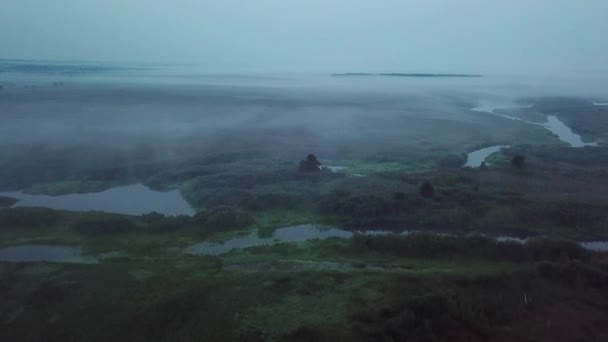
{"x":398,"y":198}
{"x":426,"y":190}
{"x":518,"y":161}
{"x":310,"y":164}
{"x":483,"y":165}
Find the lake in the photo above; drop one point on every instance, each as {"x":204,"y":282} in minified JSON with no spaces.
{"x":131,"y":199}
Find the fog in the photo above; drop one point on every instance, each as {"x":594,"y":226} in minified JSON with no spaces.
{"x":122,"y":81}
{"x":176,"y":113}
{"x":470,"y":36}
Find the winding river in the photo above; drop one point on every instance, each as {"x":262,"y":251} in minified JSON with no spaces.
{"x":475,"y":158}
{"x":553,"y":124}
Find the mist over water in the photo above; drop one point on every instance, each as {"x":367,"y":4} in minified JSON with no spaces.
{"x":114,"y":105}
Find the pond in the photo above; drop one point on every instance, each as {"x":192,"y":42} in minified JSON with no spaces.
{"x":131,"y":199}
{"x":475,"y":158}
{"x":288,"y":234}
{"x":44,"y":253}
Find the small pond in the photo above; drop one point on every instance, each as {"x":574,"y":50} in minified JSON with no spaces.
{"x":131,"y":199}
{"x":289,"y":234}
{"x":44,"y":253}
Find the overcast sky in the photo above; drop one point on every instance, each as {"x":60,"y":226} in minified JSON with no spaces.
{"x":314,"y":35}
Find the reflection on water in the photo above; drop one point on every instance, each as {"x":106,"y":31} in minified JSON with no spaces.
{"x":132,"y":199}
{"x":289,"y":234}
{"x":47,"y":253}
{"x":564,"y":132}
{"x":309,"y":232}
{"x":553,"y":124}
{"x":600,"y":103}
{"x":596,"y":246}
{"x":475,"y":158}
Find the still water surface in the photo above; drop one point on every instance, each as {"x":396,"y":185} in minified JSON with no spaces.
{"x":131,"y":199}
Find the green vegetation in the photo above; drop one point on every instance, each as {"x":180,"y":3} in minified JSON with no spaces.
{"x":70,"y":187}
{"x":310,"y":164}
{"x":419,"y":286}
{"x":459,"y":285}
{"x":7,"y":201}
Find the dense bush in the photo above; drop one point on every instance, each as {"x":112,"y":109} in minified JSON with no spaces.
{"x":356,"y":206}
{"x":518,"y":161}
{"x":434,"y":245}
{"x":426,"y":190}
{"x":28,"y":217}
{"x":271,"y":201}
{"x":573,"y":273}
{"x":310,"y":164}
{"x":103,"y":223}
{"x":571,"y":214}
{"x":160,"y":223}
{"x":440,"y":314}
{"x":223,"y":219}
{"x":7,"y":201}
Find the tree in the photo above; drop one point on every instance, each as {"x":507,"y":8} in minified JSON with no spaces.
{"x":426,"y":190}
{"x":398,"y":198}
{"x":310,"y":164}
{"x":483,"y":165}
{"x":518,"y":161}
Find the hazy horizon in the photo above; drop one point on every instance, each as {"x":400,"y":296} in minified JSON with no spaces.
{"x":470,"y":36}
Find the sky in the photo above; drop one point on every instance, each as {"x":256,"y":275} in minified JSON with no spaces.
{"x":465,"y":36}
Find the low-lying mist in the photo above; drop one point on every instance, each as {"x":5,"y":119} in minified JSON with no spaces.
{"x":154,"y":114}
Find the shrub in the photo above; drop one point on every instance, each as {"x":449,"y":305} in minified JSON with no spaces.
{"x":434,"y":245}
{"x":270,"y":201}
{"x":518,"y":161}
{"x":310,"y":164}
{"x":426,"y":190}
{"x":28,"y":217}
{"x":7,"y":201}
{"x":224,"y":218}
{"x":104,"y":224}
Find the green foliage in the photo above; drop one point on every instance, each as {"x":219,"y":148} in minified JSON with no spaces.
{"x":426,"y":190}
{"x":7,"y":201}
{"x":518,"y":161}
{"x":360,"y":209}
{"x":478,"y":305}
{"x":223,"y":219}
{"x":310,"y":164}
{"x":104,"y":223}
{"x":160,"y":223}
{"x":433,"y":246}
{"x":573,"y":274}
{"x":69,"y":187}
{"x":28,"y":217}
{"x":271,"y":201}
